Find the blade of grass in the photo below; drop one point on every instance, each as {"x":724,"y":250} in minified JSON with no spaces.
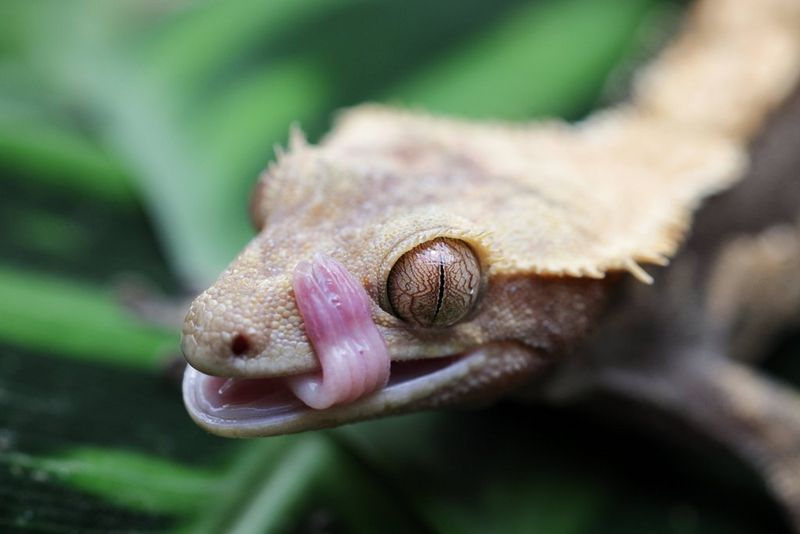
{"x":259,"y":110}
{"x":61,"y":157}
{"x":267,"y":477}
{"x":70,"y":319}
{"x":275,"y":480}
{"x":125,"y":478}
{"x":191,"y":47}
{"x":544,"y":59}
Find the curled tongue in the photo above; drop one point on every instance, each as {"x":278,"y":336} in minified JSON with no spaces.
{"x":351,"y":351}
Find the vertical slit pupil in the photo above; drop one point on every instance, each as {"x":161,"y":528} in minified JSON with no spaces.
{"x":440,"y":295}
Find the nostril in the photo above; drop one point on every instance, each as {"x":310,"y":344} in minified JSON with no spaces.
{"x":240,"y":344}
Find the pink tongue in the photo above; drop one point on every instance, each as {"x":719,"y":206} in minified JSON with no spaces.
{"x":351,"y":351}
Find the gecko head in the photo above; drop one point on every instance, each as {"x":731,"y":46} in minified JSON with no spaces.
{"x":357,"y":299}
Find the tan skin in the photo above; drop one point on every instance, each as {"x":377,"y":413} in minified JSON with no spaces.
{"x":491,"y":253}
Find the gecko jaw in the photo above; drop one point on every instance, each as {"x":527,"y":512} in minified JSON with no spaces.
{"x":244,"y":407}
{"x":358,"y":378}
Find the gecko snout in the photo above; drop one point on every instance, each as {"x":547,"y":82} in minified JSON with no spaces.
{"x":221,"y":334}
{"x":247,"y":324}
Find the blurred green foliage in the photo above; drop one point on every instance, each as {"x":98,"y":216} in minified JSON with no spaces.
{"x":130,"y":134}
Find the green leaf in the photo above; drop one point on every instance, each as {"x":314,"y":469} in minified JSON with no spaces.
{"x":42,"y":141}
{"x":59,"y":157}
{"x":128,"y":479}
{"x":79,"y":321}
{"x":199,"y":42}
{"x":543,"y":59}
{"x":259,"y":109}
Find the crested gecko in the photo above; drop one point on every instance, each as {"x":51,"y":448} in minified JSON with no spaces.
{"x":411,"y":261}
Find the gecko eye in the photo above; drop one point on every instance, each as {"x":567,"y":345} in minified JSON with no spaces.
{"x":435,"y":283}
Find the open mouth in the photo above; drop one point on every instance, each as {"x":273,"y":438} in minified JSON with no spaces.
{"x":357,"y":378}
{"x":244,"y":407}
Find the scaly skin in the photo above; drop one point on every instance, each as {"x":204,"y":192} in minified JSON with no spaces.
{"x":555,"y":215}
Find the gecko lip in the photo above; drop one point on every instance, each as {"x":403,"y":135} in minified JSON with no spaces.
{"x":249,"y":407}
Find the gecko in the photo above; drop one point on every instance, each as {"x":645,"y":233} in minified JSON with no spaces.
{"x":647,"y":252}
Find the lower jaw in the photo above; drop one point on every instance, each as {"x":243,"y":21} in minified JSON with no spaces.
{"x":240,"y":407}
{"x":229,"y":393}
